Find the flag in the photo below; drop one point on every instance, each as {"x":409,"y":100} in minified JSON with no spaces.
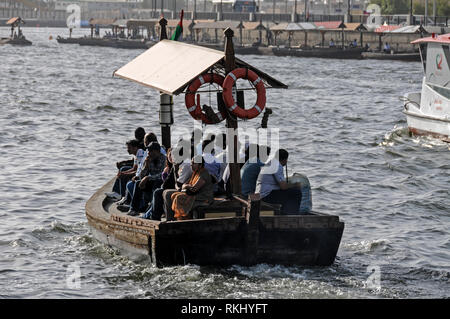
{"x":179,"y":29}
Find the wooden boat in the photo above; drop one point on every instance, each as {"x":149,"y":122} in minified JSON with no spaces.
{"x":410,"y":57}
{"x":320,"y":52}
{"x":68,"y":40}
{"x":15,"y":39}
{"x":227,"y":231}
{"x":225,"y":235}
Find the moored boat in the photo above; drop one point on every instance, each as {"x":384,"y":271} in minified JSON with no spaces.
{"x":320,"y":52}
{"x":405,"y":56}
{"x":68,"y":40}
{"x":228,"y":230}
{"x":428,"y":112}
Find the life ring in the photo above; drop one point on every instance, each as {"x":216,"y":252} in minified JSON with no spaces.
{"x":230,"y":79}
{"x":195,"y":108}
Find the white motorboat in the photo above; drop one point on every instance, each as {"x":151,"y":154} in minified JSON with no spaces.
{"x":428,"y":112}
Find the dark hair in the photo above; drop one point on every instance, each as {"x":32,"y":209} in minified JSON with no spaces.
{"x":168,"y":163}
{"x":154,"y":146}
{"x":150,"y":137}
{"x":133,"y":143}
{"x":282,"y":154}
{"x":139,"y":133}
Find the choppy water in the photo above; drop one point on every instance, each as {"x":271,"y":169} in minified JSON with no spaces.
{"x":64,"y":120}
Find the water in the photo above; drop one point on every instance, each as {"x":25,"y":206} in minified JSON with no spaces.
{"x":64,"y":120}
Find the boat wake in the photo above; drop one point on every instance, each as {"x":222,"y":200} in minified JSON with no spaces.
{"x":402,"y":135}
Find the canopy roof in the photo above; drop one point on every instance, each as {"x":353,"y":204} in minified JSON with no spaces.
{"x":15,"y":21}
{"x":279,"y":27}
{"x":307,"y":25}
{"x":330,"y":25}
{"x":102,"y":22}
{"x":386,"y":28}
{"x":355,"y":26}
{"x":134,"y":23}
{"x":169,"y":66}
{"x":408,"y":29}
{"x":444,"y":38}
{"x":222,"y":25}
{"x":253,"y":26}
{"x":121,"y":23}
{"x":293,"y":27}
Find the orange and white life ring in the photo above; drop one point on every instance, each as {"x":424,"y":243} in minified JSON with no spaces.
{"x":230,"y":80}
{"x":194,"y":108}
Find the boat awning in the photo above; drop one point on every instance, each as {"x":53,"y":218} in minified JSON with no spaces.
{"x":221,"y":25}
{"x":133,"y":23}
{"x":444,"y":38}
{"x":169,"y":66}
{"x":15,"y":21}
{"x":102,"y":22}
{"x":121,"y":23}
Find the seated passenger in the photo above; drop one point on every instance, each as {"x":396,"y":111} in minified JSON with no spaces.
{"x":251,"y":168}
{"x":211,"y":164}
{"x":273,"y":188}
{"x":332,"y":45}
{"x":178,"y":172}
{"x":198,"y":191}
{"x":221,"y":157}
{"x":127,"y":172}
{"x":139,"y":134}
{"x":387,"y":48}
{"x":148,"y":180}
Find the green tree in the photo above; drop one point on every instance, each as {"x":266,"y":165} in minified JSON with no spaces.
{"x":442,"y":7}
{"x":390,"y":7}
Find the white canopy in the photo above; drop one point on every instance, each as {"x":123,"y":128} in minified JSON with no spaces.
{"x":169,"y":66}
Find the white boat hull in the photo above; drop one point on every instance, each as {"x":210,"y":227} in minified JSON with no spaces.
{"x":428,"y":113}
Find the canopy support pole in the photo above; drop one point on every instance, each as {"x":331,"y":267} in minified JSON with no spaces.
{"x":232,"y":125}
{"x":166,"y":100}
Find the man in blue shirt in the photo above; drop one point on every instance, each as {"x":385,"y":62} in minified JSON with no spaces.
{"x":273,"y":188}
{"x":251,"y":168}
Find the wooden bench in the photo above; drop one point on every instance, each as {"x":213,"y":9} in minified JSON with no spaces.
{"x":222,"y":207}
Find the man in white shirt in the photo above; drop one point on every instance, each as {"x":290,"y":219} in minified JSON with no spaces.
{"x":273,"y":188}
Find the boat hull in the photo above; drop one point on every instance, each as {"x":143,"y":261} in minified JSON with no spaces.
{"x":428,"y":113}
{"x":288,"y":240}
{"x":23,"y":42}
{"x":351,"y":53}
{"x":68,"y":40}
{"x":409,"y":57}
